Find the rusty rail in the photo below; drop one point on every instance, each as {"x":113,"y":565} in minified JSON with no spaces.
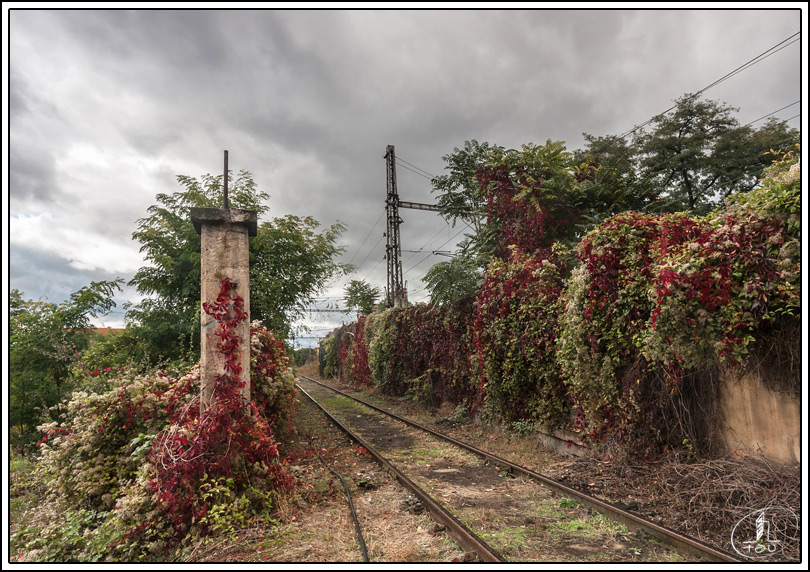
{"x":465,"y":538}
{"x":674,"y":539}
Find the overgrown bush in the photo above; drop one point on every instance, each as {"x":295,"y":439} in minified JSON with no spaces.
{"x":659,"y":302}
{"x":606,"y":316}
{"x":632,"y":341}
{"x":516,"y":324}
{"x":360,"y":372}
{"x":739,"y":274}
{"x":136,"y":470}
{"x":422,"y":351}
{"x":327,"y":357}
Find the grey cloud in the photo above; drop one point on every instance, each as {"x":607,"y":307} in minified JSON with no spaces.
{"x":44,"y":275}
{"x":328,"y":90}
{"x":32,"y":176}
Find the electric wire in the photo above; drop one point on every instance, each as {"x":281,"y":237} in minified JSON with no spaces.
{"x":741,"y":68}
{"x":753,"y":61}
{"x":759,"y":58}
{"x":374,"y":248}
{"x":415,"y":167}
{"x":426,"y":243}
{"x":365,"y":239}
{"x":413,"y":171}
{"x":772,"y":112}
{"x":351,"y":508}
{"x":373,"y":269}
{"x":431,"y":254}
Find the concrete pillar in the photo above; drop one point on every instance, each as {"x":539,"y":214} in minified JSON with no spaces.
{"x":224,"y":251}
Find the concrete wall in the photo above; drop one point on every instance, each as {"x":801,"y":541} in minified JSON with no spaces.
{"x":756,"y":420}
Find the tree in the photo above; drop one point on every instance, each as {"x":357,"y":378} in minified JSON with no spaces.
{"x":168,"y":319}
{"x":460,"y":195}
{"x":526,"y":198}
{"x":699,"y":154}
{"x":45,"y":339}
{"x":453,"y":280}
{"x":290,"y":261}
{"x":533,"y":199}
{"x":609,"y":181}
{"x":361,"y":297}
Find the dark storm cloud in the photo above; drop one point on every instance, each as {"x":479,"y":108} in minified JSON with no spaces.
{"x":107,"y":106}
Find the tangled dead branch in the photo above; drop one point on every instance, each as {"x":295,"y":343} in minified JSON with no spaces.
{"x":706,"y":499}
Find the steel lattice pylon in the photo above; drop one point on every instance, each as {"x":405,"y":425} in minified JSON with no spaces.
{"x":395,"y":294}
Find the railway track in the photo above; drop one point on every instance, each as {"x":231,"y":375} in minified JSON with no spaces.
{"x":494,"y":508}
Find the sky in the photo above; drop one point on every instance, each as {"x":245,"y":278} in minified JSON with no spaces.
{"x":103,"y":109}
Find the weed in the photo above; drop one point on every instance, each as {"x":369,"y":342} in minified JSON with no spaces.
{"x":510,"y":538}
{"x":523,"y":427}
{"x":568,"y":503}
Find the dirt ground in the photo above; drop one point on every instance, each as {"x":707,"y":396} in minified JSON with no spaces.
{"x":318,"y":526}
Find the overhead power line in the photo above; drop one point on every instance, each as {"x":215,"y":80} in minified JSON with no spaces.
{"x":432,"y":253}
{"x":772,"y":112}
{"x":401,"y":160}
{"x":413,"y":171}
{"x":756,"y":60}
{"x":766,"y":54}
{"x":365,"y":239}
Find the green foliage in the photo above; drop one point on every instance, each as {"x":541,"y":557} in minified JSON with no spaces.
{"x":328,"y":357}
{"x":657,"y":298}
{"x":360,"y":371}
{"x":523,"y":427}
{"x":107,"y":355}
{"x":422,"y":351}
{"x":460,"y":416}
{"x":272,"y":383}
{"x":743,"y":273}
{"x":529,"y":200}
{"x":655,"y":302}
{"x":301,"y":356}
{"x":361,"y":297}
{"x":228,"y":513}
{"x":699,"y":153}
{"x":111,"y":463}
{"x":44,"y":344}
{"x":73,"y":541}
{"x":168,"y":319}
{"x":606,"y":316}
{"x":453,"y":281}
{"x":609,"y":183}
{"x":290,"y":261}
{"x":460,"y":195}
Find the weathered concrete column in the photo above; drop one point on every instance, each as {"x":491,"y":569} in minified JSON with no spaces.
{"x":224,"y":251}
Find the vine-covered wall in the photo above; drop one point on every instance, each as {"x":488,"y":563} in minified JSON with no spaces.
{"x":621,"y":340}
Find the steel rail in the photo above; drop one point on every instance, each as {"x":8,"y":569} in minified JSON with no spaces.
{"x":465,"y":538}
{"x":678,"y":541}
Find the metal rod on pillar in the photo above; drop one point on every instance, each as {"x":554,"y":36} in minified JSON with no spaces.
{"x":225,"y":180}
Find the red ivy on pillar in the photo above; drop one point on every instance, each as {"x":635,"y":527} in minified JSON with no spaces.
{"x":229,"y":311}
